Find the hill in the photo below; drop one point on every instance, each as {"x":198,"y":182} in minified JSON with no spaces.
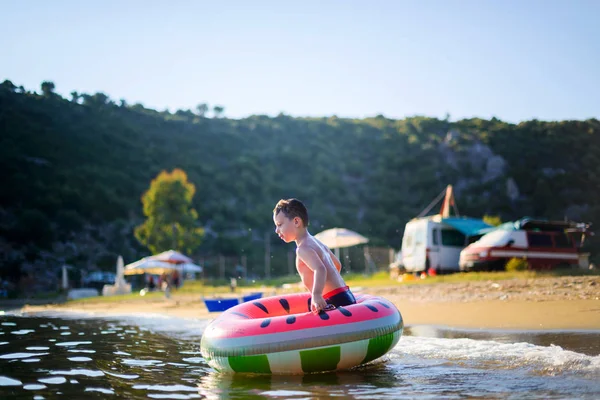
{"x":74,"y":171}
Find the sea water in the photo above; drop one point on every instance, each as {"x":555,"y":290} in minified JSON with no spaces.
{"x":47,"y":356}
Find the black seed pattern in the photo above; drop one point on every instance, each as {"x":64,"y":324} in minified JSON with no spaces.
{"x":309,"y":299}
{"x":383,"y":304}
{"x":323,"y":315}
{"x":265,"y":323}
{"x":291,"y":319}
{"x":240,"y":314}
{"x":261,"y":306}
{"x":372,"y":308}
{"x":284,"y":303}
{"x":344,"y":311}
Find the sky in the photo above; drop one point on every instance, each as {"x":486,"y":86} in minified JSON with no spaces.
{"x":514,"y":60}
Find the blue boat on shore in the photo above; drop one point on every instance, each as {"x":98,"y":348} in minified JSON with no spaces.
{"x":222,"y":304}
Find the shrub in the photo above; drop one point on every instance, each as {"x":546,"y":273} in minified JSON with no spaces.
{"x":517,"y":264}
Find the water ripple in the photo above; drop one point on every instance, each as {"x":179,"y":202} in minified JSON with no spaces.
{"x":6,"y":381}
{"x":54,"y":380}
{"x":101,"y":390}
{"x":77,"y":371}
{"x":23,"y":332}
{"x":123,"y":376}
{"x":141,"y":363}
{"x":34,"y":386}
{"x":15,"y":356}
{"x":167,"y":388}
{"x":72,"y":343}
{"x":79,"y":359}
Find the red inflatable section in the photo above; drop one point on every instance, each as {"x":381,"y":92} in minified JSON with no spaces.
{"x":278,"y":314}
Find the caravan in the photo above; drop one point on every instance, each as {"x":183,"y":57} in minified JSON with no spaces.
{"x":544,"y":244}
{"x":432,"y":244}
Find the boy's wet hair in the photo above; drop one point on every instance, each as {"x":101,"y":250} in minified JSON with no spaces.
{"x":292,"y":208}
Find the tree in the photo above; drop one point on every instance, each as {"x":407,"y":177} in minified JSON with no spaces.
{"x":202,"y":109}
{"x":493,"y":220}
{"x":171,"y":222}
{"x":188,"y":114}
{"x":95,"y":100}
{"x":75,"y":97}
{"x":218,"y":110}
{"x":48,"y":88}
{"x":8,"y":85}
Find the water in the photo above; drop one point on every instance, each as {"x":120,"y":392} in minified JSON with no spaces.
{"x":75,"y":356}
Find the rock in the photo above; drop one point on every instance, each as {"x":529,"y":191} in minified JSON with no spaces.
{"x":494,"y":168}
{"x":512,"y":191}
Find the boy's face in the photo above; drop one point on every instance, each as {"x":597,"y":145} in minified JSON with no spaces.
{"x":286,"y":228}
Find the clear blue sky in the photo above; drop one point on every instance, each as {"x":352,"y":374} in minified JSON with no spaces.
{"x":515,"y":60}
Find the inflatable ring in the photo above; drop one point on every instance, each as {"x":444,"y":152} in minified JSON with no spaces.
{"x":277,"y":335}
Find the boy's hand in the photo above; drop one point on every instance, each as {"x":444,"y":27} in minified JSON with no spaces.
{"x":317,"y":303}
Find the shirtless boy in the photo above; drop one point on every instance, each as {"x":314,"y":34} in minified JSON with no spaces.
{"x":318,"y":267}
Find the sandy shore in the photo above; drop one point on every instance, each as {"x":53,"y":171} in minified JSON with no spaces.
{"x":562,"y":303}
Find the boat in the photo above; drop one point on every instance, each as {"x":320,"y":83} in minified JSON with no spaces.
{"x":221,"y":304}
{"x":277,"y":335}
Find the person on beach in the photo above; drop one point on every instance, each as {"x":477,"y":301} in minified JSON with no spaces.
{"x":318,"y":267}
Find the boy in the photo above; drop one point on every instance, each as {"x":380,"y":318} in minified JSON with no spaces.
{"x":318,"y":267}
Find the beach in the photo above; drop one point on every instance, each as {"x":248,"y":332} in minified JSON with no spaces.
{"x":552,"y":303}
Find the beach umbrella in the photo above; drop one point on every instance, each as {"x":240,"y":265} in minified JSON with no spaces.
{"x":336,"y":238}
{"x":171,"y":256}
{"x":149,"y":266}
{"x":189,"y":268}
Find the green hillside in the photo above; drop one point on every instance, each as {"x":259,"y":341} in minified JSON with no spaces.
{"x":74,"y":171}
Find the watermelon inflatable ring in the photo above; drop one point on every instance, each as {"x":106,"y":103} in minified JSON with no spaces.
{"x":277,"y":335}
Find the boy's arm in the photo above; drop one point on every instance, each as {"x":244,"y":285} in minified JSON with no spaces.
{"x":312,"y":261}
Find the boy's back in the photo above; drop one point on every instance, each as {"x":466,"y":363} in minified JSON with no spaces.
{"x":332,"y":265}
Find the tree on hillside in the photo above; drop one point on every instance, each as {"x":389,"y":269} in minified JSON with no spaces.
{"x":171,"y":222}
{"x":202,"y":109}
{"x":218,"y":110}
{"x":8,"y":85}
{"x":48,"y":88}
{"x":97,"y":99}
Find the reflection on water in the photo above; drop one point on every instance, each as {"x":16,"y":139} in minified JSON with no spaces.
{"x":49,"y":357}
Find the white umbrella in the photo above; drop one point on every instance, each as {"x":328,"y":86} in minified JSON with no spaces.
{"x":336,"y":238}
{"x":65,"y":278}
{"x":148,"y":266}
{"x":171,"y":256}
{"x":189,"y":267}
{"x":339,"y":237}
{"x":120,"y":271}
